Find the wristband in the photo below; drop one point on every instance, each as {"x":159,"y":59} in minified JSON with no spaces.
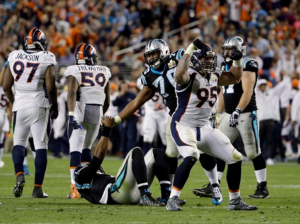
{"x":237,"y":63}
{"x":105,"y":131}
{"x":190,"y":50}
{"x":238,"y":110}
{"x":71,"y":113}
{"x":118,"y":120}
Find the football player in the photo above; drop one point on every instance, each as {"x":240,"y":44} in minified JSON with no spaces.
{"x":88,"y":100}
{"x":159,"y":77}
{"x":240,"y":117}
{"x":197,"y":79}
{"x":32,"y":73}
{"x":131,"y":185}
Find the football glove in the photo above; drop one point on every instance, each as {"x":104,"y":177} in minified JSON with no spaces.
{"x":236,"y":55}
{"x":233,"y":121}
{"x":198,"y":43}
{"x":53,"y":112}
{"x":73,"y":123}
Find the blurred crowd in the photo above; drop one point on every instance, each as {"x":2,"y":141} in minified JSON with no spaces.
{"x":270,"y":28}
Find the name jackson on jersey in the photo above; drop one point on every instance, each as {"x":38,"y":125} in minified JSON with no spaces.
{"x":162,"y":79}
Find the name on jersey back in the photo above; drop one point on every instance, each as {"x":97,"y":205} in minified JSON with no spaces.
{"x":91,"y":68}
{"x":29,"y":57}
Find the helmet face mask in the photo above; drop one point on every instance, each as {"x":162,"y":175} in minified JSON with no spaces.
{"x":156,"y":52}
{"x":35,"y":40}
{"x":232,"y":43}
{"x":86,"y":54}
{"x":204,"y":60}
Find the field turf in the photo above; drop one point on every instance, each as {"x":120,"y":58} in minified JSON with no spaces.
{"x":283,"y":206}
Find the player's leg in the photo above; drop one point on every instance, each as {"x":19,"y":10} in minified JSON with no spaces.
{"x":185,"y":139}
{"x":2,"y":122}
{"x":157,"y":166}
{"x":286,"y":140}
{"x":76,"y":141}
{"x":149,"y":129}
{"x":40,"y":130}
{"x":249,"y":131}
{"x":92,"y":131}
{"x":21,"y":129}
{"x":161,"y":123}
{"x":216,"y":144}
{"x":131,"y":186}
{"x":171,"y":151}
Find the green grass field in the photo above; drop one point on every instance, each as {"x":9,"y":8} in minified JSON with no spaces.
{"x":283,"y":206}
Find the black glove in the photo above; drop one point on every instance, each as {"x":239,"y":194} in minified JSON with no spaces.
{"x":236,"y":54}
{"x":233,"y":121}
{"x":198,"y":44}
{"x":53,"y":112}
{"x":73,"y":123}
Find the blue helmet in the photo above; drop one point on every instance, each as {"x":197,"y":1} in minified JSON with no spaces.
{"x":35,"y":40}
{"x":85,"y":54}
{"x":204,"y":60}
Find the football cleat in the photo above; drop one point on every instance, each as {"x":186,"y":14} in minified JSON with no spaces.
{"x":148,"y":200}
{"x":38,"y":193}
{"x":164,"y":200}
{"x":206,"y":191}
{"x":74,"y":194}
{"x":238,"y":204}
{"x":20,"y":183}
{"x":261,"y":191}
{"x":217,"y":197}
{"x":172,"y":204}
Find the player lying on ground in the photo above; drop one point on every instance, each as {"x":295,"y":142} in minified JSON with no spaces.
{"x":131,"y":185}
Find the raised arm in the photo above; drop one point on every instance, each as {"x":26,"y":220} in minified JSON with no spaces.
{"x":143,"y":96}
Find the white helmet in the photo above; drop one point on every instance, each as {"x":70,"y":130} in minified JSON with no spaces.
{"x":159,"y":46}
{"x":233,"y":42}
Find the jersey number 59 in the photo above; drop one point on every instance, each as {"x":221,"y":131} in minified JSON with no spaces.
{"x":88,"y":79}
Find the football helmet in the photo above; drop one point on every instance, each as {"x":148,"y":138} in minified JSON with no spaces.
{"x":35,"y":40}
{"x":204,"y":60}
{"x":156,"y":52}
{"x":86,"y":54}
{"x":233,"y":42}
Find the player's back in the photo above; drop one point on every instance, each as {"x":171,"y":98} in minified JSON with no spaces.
{"x":196,"y":99}
{"x":28,"y":69}
{"x":92,"y":80}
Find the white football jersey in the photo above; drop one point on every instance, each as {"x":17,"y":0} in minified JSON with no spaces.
{"x":196,"y":99}
{"x":28,"y":69}
{"x":92,"y":80}
{"x":3,"y":101}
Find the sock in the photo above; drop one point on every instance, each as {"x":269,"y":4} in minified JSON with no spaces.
{"x":212,"y":175}
{"x":40,"y":163}
{"x":86,"y":156}
{"x":144,"y":189}
{"x":139,"y":168}
{"x":219,"y":174}
{"x":74,"y":162}
{"x":220,"y":165}
{"x":146,"y":147}
{"x":183,"y":172}
{"x":175,"y":192}
{"x":260,"y":168}
{"x":234,"y":176}
{"x":172,"y":163}
{"x":165,"y":190}
{"x":33,"y":154}
{"x":18,"y":154}
{"x":160,"y":167}
{"x":261,"y":175}
{"x":25,"y":162}
{"x":234,"y":194}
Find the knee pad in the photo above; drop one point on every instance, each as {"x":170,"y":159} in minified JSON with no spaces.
{"x":237,"y":156}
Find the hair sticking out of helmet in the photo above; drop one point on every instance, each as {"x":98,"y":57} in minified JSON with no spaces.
{"x":156,"y":52}
{"x":35,"y":40}
{"x":204,"y":60}
{"x":86,"y":54}
{"x":234,"y":42}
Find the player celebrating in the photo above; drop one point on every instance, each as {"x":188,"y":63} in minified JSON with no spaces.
{"x":197,"y":79}
{"x":88,"y":100}
{"x":32,"y":73}
{"x":131,"y":185}
{"x":240,"y":117}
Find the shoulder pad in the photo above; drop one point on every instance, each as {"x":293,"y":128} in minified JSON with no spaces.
{"x":250,"y":64}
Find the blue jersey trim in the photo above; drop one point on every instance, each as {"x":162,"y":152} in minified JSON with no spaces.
{"x":255,"y":128}
{"x":158,"y":72}
{"x":178,"y":57}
